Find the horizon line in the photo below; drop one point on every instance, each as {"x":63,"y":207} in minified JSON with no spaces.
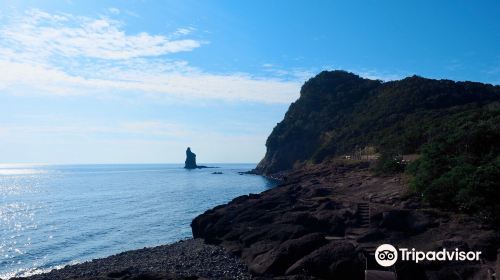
{"x":3,"y":164}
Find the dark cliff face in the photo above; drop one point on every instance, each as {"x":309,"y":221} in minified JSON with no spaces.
{"x":299,"y":135}
{"x":339,"y":112}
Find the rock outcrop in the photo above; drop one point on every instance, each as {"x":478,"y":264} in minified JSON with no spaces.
{"x":190,"y":162}
{"x":312,"y":226}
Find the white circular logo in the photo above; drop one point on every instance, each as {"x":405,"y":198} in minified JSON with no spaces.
{"x":386,"y":255}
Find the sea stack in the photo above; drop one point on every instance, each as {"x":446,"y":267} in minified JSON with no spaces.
{"x":190,"y":162}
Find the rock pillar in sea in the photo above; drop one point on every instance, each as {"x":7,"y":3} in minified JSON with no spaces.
{"x":190,"y":162}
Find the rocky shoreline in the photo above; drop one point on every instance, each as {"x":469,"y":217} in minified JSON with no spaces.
{"x":184,"y":260}
{"x":325,"y":221}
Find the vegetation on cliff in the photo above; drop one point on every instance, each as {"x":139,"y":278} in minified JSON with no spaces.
{"x":461,"y":167}
{"x":454,"y":126}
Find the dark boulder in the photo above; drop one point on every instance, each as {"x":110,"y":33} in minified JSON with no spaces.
{"x":395,"y":219}
{"x":410,"y":271}
{"x":277,"y":260}
{"x":371,"y":236}
{"x":335,"y":260}
{"x":411,"y":222}
{"x":487,"y":242}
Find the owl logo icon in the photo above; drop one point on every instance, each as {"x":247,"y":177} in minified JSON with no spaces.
{"x":386,"y":255}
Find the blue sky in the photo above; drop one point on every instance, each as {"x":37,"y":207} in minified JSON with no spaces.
{"x":139,"y":81}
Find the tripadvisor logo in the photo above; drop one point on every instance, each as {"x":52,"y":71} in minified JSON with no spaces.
{"x":386,"y":255}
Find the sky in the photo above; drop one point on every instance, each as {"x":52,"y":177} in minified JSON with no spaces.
{"x":138,"y":81}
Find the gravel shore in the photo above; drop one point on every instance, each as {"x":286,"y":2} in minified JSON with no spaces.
{"x":187,"y":259}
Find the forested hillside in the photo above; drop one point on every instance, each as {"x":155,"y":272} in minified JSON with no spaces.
{"x":454,"y":126}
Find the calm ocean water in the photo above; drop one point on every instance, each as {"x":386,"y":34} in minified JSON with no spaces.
{"x":56,"y":215}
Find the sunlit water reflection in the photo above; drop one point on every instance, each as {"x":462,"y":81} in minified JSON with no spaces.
{"x":56,"y":215}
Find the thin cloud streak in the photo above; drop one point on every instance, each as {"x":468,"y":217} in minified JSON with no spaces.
{"x":36,"y":79}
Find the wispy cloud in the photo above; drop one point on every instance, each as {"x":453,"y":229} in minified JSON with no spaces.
{"x":25,"y":79}
{"x":300,"y":74}
{"x":184,"y":31}
{"x":67,"y":55}
{"x":74,"y":36}
{"x":114,"y":10}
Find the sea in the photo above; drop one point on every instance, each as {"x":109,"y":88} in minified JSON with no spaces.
{"x":54,"y":215}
